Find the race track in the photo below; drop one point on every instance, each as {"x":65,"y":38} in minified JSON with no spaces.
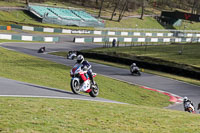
{"x":153,"y":81}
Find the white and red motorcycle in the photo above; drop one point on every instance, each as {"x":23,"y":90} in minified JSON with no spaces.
{"x":189,"y":108}
{"x":81,"y":82}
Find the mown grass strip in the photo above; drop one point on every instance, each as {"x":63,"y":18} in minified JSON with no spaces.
{"x":30,"y":69}
{"x":60,"y":115}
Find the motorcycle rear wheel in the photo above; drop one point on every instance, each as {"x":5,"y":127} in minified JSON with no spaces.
{"x":139,"y":74}
{"x":136,"y":73}
{"x":94,"y":91}
{"x":75,"y":86}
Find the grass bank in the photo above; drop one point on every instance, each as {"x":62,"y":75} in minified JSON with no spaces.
{"x":146,"y":23}
{"x":30,"y":69}
{"x":23,"y":18}
{"x":12,"y":4}
{"x":58,"y":115}
{"x":190,"y":52}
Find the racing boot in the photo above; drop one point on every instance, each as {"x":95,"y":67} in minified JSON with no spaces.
{"x":92,"y":81}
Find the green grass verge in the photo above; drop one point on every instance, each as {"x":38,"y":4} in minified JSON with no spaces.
{"x":12,"y":4}
{"x":188,"y":80}
{"x":8,"y":31}
{"x":189,"y":56}
{"x":60,"y":116}
{"x":188,"y":25}
{"x":3,"y":40}
{"x":22,"y":18}
{"x":146,"y":23}
{"x":30,"y":69}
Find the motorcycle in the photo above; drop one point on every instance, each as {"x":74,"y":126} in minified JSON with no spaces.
{"x":135,"y":71}
{"x":41,"y":50}
{"x":81,"y":82}
{"x":189,"y":108}
{"x":71,"y":55}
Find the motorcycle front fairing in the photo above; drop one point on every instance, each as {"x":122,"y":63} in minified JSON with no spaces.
{"x":134,"y":69}
{"x":83,"y":79}
{"x":188,"y":105}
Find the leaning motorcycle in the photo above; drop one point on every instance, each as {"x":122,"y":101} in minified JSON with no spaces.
{"x":189,"y":108}
{"x":135,"y":71}
{"x":71,"y":55}
{"x":80,"y":81}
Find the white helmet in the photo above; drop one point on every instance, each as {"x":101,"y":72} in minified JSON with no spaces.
{"x":134,"y":64}
{"x":80,"y":59}
{"x":185,"y":98}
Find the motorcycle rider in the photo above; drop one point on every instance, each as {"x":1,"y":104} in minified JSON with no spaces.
{"x":134,"y":67}
{"x":198,"y":108}
{"x":41,"y":50}
{"x":85,"y":65}
{"x":185,"y":100}
{"x":71,"y":55}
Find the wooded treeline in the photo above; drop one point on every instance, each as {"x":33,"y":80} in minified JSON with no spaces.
{"x":119,"y":7}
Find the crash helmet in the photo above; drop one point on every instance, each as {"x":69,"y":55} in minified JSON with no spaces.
{"x":185,"y":99}
{"x":80,"y":59}
{"x":134,"y":64}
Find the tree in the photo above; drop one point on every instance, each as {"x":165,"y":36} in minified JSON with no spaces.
{"x":27,"y":2}
{"x":116,"y":5}
{"x":83,"y":3}
{"x":100,"y":8}
{"x":97,"y":2}
{"x":125,"y":5}
{"x":143,"y":6}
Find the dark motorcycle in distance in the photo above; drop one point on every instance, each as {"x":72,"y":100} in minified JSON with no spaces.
{"x":41,"y":50}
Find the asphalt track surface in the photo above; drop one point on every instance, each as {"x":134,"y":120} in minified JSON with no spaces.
{"x":11,"y":87}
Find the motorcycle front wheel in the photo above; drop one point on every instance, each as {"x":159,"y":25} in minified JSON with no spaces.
{"x":75,"y":86}
{"x":94,"y":91}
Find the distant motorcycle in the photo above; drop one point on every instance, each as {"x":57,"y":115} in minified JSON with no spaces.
{"x":189,"y":108}
{"x":80,"y":81}
{"x":135,"y":70}
{"x":41,"y":50}
{"x":71,"y":55}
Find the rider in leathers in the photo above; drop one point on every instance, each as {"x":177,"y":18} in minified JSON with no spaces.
{"x":85,"y":65}
{"x":185,"y":99}
{"x":134,"y":67}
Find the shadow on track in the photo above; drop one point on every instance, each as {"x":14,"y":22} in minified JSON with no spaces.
{"x":52,"y":89}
